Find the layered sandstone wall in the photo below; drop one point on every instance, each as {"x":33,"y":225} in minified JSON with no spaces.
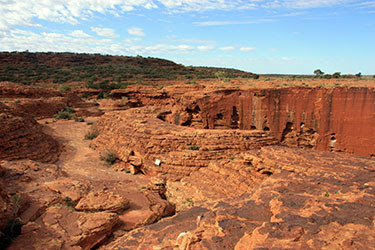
{"x":23,"y":138}
{"x":330,"y":119}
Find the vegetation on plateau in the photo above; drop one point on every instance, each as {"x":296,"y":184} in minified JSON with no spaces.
{"x":99,"y":71}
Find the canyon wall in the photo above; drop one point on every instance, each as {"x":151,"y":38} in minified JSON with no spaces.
{"x":330,"y":119}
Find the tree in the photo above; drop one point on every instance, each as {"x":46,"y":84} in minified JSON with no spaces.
{"x":221,"y":75}
{"x":318,"y":72}
{"x":359,"y":74}
{"x":336,"y":75}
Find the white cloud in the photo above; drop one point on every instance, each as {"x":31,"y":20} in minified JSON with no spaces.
{"x":287,"y":58}
{"x":80,"y":42}
{"x":247,"y":48}
{"x":227,"y":48}
{"x":300,"y":13}
{"x":150,"y":5}
{"x":366,"y":4}
{"x":27,"y":12}
{"x":20,"y":40}
{"x":205,"y":47}
{"x":169,"y":47}
{"x":135,"y":31}
{"x":80,"y":34}
{"x":105,"y":32}
{"x":306,"y":4}
{"x":219,"y":23}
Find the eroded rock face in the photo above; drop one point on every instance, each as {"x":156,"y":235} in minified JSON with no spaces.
{"x":320,"y":118}
{"x":14,"y":91}
{"x":42,"y":102}
{"x":68,"y":212}
{"x":102,"y":201}
{"x":312,"y":200}
{"x":23,"y":138}
{"x":213,"y":155}
{"x":137,"y":135}
{"x":6,"y":205}
{"x":224,"y":180}
{"x":62,"y":228}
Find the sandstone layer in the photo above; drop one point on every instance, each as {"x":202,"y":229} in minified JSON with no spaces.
{"x":59,"y":211}
{"x":320,"y":118}
{"x":139,"y":138}
{"x":312,"y":200}
{"x":217,"y":155}
{"x":42,"y":102}
{"x":22,"y":138}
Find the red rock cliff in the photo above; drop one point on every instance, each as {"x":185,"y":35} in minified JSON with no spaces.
{"x":336,"y":119}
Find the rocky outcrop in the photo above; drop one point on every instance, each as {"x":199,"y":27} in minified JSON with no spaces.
{"x":320,"y":118}
{"x":68,"y":212}
{"x":42,"y":102}
{"x":23,"y":138}
{"x":312,"y":200}
{"x":102,"y":201}
{"x":14,"y":91}
{"x":139,"y":138}
{"x":223,"y":180}
{"x":62,"y":228}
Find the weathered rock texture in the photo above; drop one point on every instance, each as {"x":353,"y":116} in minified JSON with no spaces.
{"x":6,"y":205}
{"x":65,"y":212}
{"x":42,"y":102}
{"x":321,"y":118}
{"x":23,"y":138}
{"x":311,"y":200}
{"x":139,"y":138}
{"x":223,"y":180}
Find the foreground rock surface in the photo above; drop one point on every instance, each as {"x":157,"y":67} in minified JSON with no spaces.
{"x":62,"y":228}
{"x":76,"y":203}
{"x":312,"y":200}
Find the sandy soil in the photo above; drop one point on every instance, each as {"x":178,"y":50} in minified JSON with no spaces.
{"x":79,"y":160}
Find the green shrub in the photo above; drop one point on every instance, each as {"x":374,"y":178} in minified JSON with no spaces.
{"x":13,"y":227}
{"x":78,"y":119}
{"x":109,"y":157}
{"x":67,"y":114}
{"x":64,"y":88}
{"x":195,"y":147}
{"x":191,"y":82}
{"x":92,"y":134}
{"x":69,"y":202}
{"x":101,"y":95}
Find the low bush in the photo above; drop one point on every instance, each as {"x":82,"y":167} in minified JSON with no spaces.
{"x":109,"y":157}
{"x":64,"y":88}
{"x":92,"y":134}
{"x":67,"y":114}
{"x":195,"y":147}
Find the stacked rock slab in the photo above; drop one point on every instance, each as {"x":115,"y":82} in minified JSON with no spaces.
{"x":169,"y":149}
{"x":312,"y":200}
{"x":68,"y":212}
{"x":23,"y":138}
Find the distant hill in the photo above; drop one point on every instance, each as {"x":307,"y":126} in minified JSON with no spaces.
{"x":29,"y":68}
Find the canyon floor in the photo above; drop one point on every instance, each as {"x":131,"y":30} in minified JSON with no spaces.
{"x":210,"y":165}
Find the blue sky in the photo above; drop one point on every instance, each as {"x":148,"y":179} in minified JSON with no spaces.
{"x":261,"y":36}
